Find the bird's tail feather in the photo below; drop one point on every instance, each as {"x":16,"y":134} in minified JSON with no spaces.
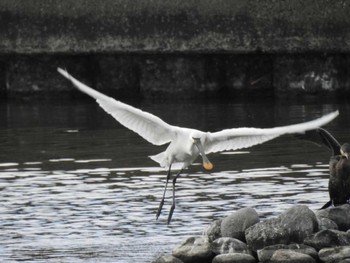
{"x":163,"y":161}
{"x":159,"y":158}
{"x":326,"y":205}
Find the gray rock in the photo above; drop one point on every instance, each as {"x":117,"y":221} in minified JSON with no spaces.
{"x":292,"y":226}
{"x":326,"y":223}
{"x":290,"y":256}
{"x":335,"y":254}
{"x":194,"y":249}
{"x":340,"y":215}
{"x":234,"y":257}
{"x":225,"y":245}
{"x":235,"y":224}
{"x":265,"y":254}
{"x":328,"y":238}
{"x":167,"y":259}
{"x":214,"y":230}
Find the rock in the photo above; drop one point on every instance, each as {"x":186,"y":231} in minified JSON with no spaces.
{"x":326,"y":223}
{"x":335,"y":254}
{"x":234,"y":257}
{"x":266,"y":253}
{"x":225,"y":245}
{"x":290,"y":256}
{"x":194,"y":249}
{"x":328,"y":238}
{"x":340,"y":215}
{"x":167,"y":259}
{"x":214,"y":230}
{"x":292,"y":226}
{"x":235,"y":224}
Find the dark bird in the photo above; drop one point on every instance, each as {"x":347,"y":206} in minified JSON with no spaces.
{"x":339,"y":170}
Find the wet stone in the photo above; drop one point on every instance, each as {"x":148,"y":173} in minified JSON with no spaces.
{"x":167,"y":259}
{"x":266,"y":253}
{"x":326,"y":223}
{"x":235,"y":224}
{"x":225,"y":245}
{"x":292,"y":226}
{"x":290,"y":256}
{"x":214,"y":230}
{"x":339,"y":215}
{"x":335,"y":254}
{"x":328,"y":238}
{"x":234,"y":257}
{"x":194,"y":249}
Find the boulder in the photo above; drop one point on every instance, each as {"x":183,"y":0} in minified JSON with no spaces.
{"x":167,"y":259}
{"x":235,"y":224}
{"x":234,"y":257}
{"x":214,"y":230}
{"x":225,"y":245}
{"x":265,"y":254}
{"x":339,"y":215}
{"x":326,"y":223}
{"x":328,"y":238}
{"x":290,"y":256}
{"x":194,"y":249}
{"x":292,"y":226}
{"x":335,"y":254}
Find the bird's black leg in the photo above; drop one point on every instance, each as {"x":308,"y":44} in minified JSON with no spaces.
{"x":173,"y":205}
{"x":162,"y":201}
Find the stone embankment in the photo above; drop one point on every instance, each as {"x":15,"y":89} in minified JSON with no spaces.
{"x":176,"y":49}
{"x":297,"y":235}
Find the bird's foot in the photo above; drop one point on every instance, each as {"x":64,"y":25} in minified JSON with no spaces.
{"x":159,"y":209}
{"x":171,"y":213}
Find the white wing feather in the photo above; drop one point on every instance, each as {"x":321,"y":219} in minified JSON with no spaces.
{"x":148,"y":126}
{"x":237,"y":138}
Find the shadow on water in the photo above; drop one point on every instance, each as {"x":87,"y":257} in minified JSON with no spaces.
{"x":77,"y":186}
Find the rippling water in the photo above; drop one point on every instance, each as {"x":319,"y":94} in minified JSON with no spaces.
{"x":75,"y":186}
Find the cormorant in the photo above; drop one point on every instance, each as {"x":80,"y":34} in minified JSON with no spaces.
{"x":339,"y":169}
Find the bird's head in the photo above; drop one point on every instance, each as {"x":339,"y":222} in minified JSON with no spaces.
{"x":345,"y":150}
{"x":206,"y":163}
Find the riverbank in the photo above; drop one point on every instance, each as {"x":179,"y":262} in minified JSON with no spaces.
{"x":296,"y":235}
{"x":173,"y":50}
{"x":179,"y":76}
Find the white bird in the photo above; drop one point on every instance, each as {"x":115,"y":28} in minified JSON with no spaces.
{"x":186,"y":144}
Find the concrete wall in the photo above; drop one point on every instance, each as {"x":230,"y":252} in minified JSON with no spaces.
{"x":81,"y":26}
{"x":171,"y":48}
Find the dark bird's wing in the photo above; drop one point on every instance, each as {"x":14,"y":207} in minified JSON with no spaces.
{"x":329,"y":141}
{"x":320,"y":137}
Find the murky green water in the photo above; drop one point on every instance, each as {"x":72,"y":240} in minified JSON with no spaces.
{"x":75,"y":186}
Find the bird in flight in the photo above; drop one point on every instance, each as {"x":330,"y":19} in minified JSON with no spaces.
{"x":186,"y":144}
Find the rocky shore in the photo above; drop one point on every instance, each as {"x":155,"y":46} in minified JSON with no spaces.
{"x":297,"y":235}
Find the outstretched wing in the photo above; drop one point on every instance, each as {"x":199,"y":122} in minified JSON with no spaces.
{"x":237,"y":138}
{"x":148,"y":126}
{"x":329,"y":141}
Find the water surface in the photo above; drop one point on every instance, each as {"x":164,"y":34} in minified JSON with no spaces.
{"x":75,"y":186}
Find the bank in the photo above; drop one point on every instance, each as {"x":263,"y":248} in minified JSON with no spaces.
{"x":173,"y":49}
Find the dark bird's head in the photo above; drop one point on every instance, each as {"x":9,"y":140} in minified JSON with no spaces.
{"x":345,"y":150}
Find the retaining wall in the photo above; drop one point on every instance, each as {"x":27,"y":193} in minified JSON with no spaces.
{"x":177,"y":48}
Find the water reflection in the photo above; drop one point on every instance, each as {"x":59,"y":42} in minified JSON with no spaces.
{"x":76,"y":186}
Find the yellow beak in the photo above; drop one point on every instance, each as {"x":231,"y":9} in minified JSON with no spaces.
{"x":206,"y":163}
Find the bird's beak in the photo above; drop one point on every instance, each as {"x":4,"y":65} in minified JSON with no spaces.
{"x":206,"y":163}
{"x":345,"y":154}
